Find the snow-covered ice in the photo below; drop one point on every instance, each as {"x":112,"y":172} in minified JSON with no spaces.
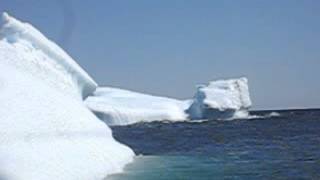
{"x":24,"y":36}
{"x":222,"y":99}
{"x":121,"y":107}
{"x":46,"y":130}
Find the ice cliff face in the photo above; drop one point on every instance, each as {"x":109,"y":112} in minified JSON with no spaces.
{"x":223,"y":99}
{"x":120,"y":107}
{"x":46,"y":130}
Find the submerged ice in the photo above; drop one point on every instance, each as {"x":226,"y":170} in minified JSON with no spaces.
{"x":46,"y":130}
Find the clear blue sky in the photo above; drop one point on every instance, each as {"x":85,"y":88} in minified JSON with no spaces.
{"x":166,"y":47}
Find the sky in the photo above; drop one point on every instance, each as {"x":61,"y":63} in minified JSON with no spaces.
{"x":168,"y":47}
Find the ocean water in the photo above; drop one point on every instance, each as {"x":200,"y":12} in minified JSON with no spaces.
{"x":271,"y":145}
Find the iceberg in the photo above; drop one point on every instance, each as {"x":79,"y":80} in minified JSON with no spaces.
{"x":121,"y":107}
{"x":222,"y":99}
{"x":47,"y":132}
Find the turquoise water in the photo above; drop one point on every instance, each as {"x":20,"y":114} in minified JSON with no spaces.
{"x":203,"y":168}
{"x":282,"y":147}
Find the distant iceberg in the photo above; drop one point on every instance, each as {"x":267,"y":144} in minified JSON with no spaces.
{"x":121,"y":107}
{"x":46,"y":130}
{"x":220,"y":100}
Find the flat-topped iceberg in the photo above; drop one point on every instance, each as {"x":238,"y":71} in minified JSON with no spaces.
{"x":222,"y":99}
{"x":120,"y":107}
{"x":46,"y":130}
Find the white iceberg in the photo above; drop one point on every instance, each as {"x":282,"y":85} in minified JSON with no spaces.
{"x":121,"y":107}
{"x":222,"y":99}
{"x":46,"y":130}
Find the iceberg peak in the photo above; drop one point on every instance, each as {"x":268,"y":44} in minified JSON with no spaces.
{"x":4,"y":17}
{"x":13,"y":31}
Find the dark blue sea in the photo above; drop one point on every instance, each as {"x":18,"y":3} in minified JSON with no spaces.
{"x":270,"y":145}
